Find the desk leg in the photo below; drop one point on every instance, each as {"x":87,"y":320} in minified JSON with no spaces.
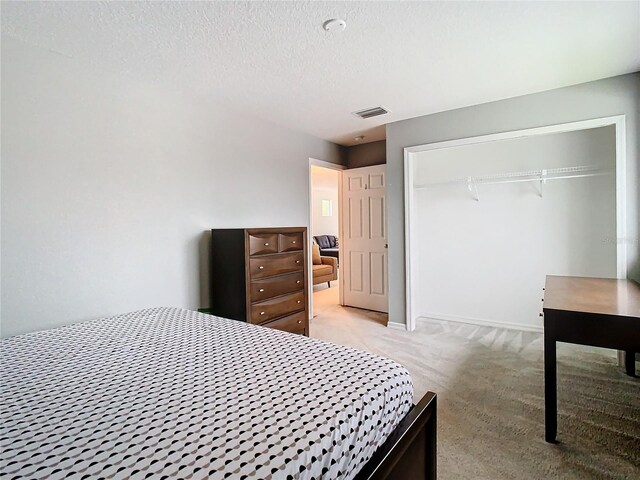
{"x":630,"y":363}
{"x":550,"y":389}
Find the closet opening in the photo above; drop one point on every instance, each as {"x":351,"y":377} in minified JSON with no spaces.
{"x":487,"y":218}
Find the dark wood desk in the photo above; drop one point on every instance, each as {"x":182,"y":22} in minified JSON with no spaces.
{"x":588,"y":311}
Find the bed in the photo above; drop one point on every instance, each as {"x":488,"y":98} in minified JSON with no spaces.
{"x":171,"y":393}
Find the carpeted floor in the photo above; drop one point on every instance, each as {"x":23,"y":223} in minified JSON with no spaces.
{"x":490,"y":397}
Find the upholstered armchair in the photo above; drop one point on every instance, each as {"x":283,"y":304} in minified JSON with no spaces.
{"x":325,"y":269}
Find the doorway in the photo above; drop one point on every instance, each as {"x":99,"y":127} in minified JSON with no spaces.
{"x":324,"y":234}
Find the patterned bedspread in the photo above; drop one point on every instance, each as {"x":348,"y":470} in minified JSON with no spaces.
{"x":171,"y":393}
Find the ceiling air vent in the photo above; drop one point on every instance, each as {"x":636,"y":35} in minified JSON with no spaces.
{"x":371,"y":112}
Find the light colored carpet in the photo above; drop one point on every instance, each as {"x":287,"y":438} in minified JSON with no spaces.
{"x":325,"y":298}
{"x":490,"y":398}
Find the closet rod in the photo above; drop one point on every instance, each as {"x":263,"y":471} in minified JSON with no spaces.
{"x":528,"y":176}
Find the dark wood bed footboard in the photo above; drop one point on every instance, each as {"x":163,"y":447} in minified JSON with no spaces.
{"x":410,"y":451}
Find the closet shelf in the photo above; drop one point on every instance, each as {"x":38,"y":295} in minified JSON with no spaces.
{"x":541,"y":176}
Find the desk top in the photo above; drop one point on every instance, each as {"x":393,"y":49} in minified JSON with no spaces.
{"x":593,"y":295}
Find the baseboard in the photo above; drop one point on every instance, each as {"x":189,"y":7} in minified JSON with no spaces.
{"x":396,"y":326}
{"x":481,"y":321}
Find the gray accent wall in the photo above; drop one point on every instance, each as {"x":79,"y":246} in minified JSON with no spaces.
{"x":367,"y":154}
{"x":603,"y":98}
{"x":109,"y":186}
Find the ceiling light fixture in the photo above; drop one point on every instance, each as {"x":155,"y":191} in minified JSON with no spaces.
{"x":359,"y":138}
{"x":334,"y":25}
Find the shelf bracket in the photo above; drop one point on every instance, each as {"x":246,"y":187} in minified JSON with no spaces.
{"x":543,"y":180}
{"x":473,"y":188}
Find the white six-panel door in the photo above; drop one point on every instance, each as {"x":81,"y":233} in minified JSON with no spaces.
{"x":364,"y":242}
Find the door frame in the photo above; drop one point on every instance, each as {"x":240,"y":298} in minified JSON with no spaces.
{"x":618,"y":121}
{"x":339,"y":168}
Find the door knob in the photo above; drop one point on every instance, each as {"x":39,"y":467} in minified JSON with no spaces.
{"x":386,"y":245}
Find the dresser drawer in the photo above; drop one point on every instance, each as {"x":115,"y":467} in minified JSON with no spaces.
{"x":289,"y":242}
{"x":263,"y":243}
{"x":276,"y":264}
{"x":274,"y":286}
{"x":296,"y":323}
{"x":276,"y":307}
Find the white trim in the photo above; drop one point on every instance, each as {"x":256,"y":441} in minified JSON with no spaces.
{"x":396,"y":326}
{"x":618,"y":121}
{"x":527,"y":132}
{"x":339,"y":168}
{"x":480,"y":321}
{"x":408,"y":221}
{"x":366,"y":166}
{"x":621,"y":196}
{"x":341,"y":279}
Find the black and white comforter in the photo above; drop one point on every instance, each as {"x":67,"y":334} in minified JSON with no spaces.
{"x":170,"y":393}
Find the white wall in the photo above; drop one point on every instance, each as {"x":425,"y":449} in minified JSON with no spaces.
{"x":324,"y":186}
{"x":603,"y":98}
{"x":109,"y":185}
{"x":324,"y":225}
{"x":486,"y":261}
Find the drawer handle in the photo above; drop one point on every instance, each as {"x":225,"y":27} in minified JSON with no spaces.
{"x":299,"y":301}
{"x":297,"y":261}
{"x":298,"y":281}
{"x":261,"y":313}
{"x":261,"y":290}
{"x":266,"y":244}
{"x":299,"y":321}
{"x":294,"y":242}
{"x":261,"y":267}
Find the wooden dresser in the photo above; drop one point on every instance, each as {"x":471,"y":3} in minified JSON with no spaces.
{"x":259,"y":275}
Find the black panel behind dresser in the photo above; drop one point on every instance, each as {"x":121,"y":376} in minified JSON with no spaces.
{"x":228,"y":286}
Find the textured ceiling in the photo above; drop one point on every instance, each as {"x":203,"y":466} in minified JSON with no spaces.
{"x":274,"y":60}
